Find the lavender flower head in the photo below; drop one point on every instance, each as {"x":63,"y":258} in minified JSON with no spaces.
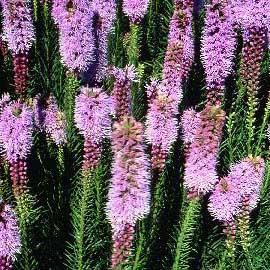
{"x":218,"y":47}
{"x":55,"y":122}
{"x":129,"y":194}
{"x":238,"y":191}
{"x":16,"y":128}
{"x":225,"y":201}
{"x":74,"y":20}
{"x":248,"y":175}
{"x":161,"y":122}
{"x":18,"y":25}
{"x":9,"y":235}
{"x":201,"y":157}
{"x":93,"y":108}
{"x":190,"y":123}
{"x":135,"y":9}
{"x":180,"y":50}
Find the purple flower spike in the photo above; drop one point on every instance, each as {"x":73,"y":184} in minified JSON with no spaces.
{"x":16,"y":139}
{"x":104,"y":17}
{"x":161,"y":128}
{"x":135,"y":9}
{"x":129,"y":193}
{"x":218,"y":47}
{"x":190,"y":123}
{"x":16,"y":128}
{"x":180,"y":50}
{"x":201,"y":157}
{"x":248,"y":175}
{"x":10,"y":237}
{"x":93,"y":109}
{"x":18,"y":25}
{"x":121,"y":92}
{"x":74,"y":19}
{"x":19,"y":35}
{"x":55,"y":122}
{"x":253,"y":19}
{"x":239,"y":191}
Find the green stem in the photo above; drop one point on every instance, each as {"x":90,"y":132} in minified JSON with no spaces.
{"x":263,"y":127}
{"x":187,"y":230}
{"x":133,"y":50}
{"x":27,"y":216}
{"x":139,"y":247}
{"x":79,"y":215}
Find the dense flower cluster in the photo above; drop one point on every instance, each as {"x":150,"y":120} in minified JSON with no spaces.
{"x":251,"y":13}
{"x":9,"y":235}
{"x":225,"y":201}
{"x":161,"y":126}
{"x":19,"y":35}
{"x":55,"y":122}
{"x":18,"y":25}
{"x":103,"y":20}
{"x":129,"y":194}
{"x":218,"y":47}
{"x":190,"y":123}
{"x":240,"y":189}
{"x":253,"y":17}
{"x":180,"y":50}
{"x":16,"y":139}
{"x":135,"y":9}
{"x":201,"y":157}
{"x":121,"y":92}
{"x":16,"y":128}
{"x":252,"y":54}
{"x":93,"y":108}
{"x":74,"y":19}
